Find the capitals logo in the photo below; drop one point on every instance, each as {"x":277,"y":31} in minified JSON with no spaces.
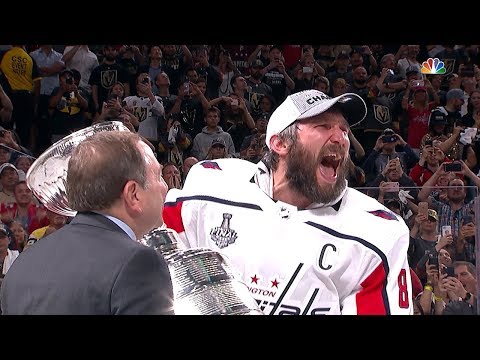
{"x":210,"y":165}
{"x":384,"y":214}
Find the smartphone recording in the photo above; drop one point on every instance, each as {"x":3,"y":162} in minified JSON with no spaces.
{"x":450,"y":271}
{"x":433,"y":259}
{"x":391,"y":186}
{"x":453,"y":166}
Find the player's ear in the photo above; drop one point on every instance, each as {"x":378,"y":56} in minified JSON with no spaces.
{"x":279,"y":145}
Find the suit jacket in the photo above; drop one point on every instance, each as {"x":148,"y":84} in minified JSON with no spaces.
{"x":88,"y":267}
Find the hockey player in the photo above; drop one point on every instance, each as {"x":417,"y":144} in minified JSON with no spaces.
{"x":301,"y":239}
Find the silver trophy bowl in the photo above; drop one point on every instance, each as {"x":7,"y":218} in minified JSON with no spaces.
{"x":47,"y":176}
{"x":203,"y":281}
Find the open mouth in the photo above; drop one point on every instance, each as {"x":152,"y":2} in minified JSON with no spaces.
{"x":328,"y":167}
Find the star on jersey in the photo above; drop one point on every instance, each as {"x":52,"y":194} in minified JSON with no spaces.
{"x":254,"y":279}
{"x":274,"y":283}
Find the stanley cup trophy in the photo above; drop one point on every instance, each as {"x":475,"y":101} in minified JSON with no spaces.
{"x":203,"y":281}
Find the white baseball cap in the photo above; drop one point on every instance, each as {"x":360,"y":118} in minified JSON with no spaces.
{"x":10,"y":165}
{"x":308,"y":103}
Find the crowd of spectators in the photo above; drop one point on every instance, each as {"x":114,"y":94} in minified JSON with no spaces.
{"x":417,"y":151}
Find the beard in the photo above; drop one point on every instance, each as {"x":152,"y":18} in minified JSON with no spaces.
{"x":301,"y":173}
{"x":361,"y":81}
{"x":109,"y":57}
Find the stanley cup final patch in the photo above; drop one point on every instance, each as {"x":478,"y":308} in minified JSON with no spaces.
{"x":223,"y":235}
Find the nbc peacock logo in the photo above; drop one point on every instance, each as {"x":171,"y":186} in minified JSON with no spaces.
{"x":433,"y":66}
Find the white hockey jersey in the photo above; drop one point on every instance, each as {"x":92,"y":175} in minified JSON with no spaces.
{"x":147,"y":113}
{"x":348,"y":258}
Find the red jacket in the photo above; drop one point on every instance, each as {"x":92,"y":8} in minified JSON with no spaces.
{"x":34,"y":222}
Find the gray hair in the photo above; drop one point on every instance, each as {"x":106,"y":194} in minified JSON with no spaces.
{"x":289,"y":134}
{"x":99,"y":168}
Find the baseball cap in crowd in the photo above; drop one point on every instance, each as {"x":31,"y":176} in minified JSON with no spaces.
{"x":356,"y":50}
{"x":261,"y":115}
{"x":5,"y":165}
{"x":455,"y":94}
{"x":393,"y":204}
{"x":343,"y":55}
{"x":432,"y":214}
{"x":412,"y":70}
{"x":389,"y":136}
{"x":5,"y":231}
{"x":218,"y":141}
{"x":308,"y":103}
{"x":31,"y":240}
{"x":256,"y":63}
{"x":65,"y":72}
{"x":438,"y":116}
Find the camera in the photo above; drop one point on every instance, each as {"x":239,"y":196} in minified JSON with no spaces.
{"x":389,"y":138}
{"x":186,"y":87}
{"x":429,"y":142}
{"x":450,"y":271}
{"x":416,"y":83}
{"x":69,"y":81}
{"x":145,"y":80}
{"x":113,"y":97}
{"x":453,"y":166}
{"x":433,"y":258}
{"x":307,"y":70}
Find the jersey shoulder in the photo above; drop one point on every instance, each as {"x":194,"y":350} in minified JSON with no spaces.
{"x":356,"y":200}
{"x":229,"y":169}
{"x":373,"y":221}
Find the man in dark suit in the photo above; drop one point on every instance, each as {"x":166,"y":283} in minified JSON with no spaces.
{"x":93,"y":265}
